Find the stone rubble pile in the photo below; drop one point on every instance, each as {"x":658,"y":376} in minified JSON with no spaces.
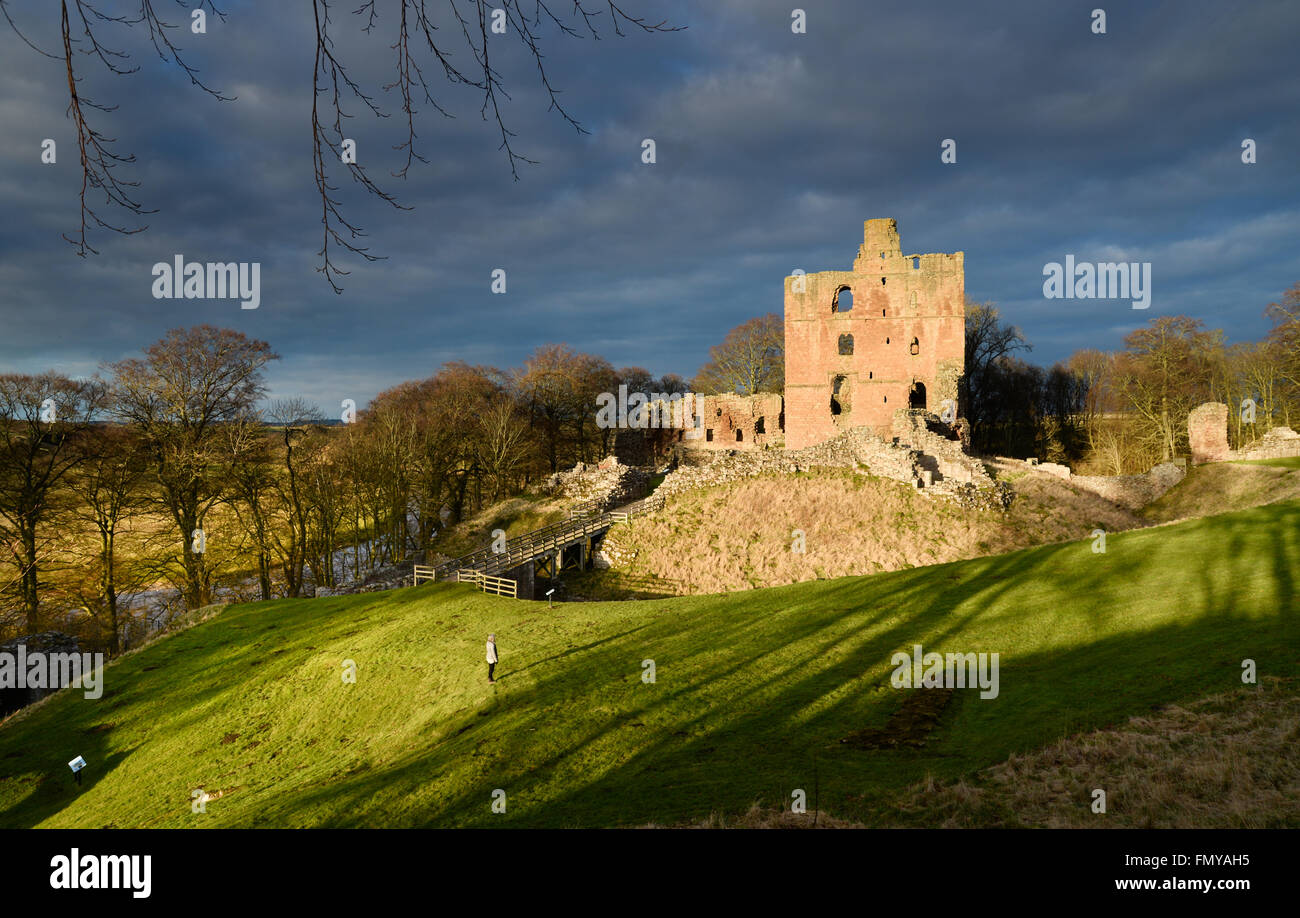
{"x":1130,"y":491}
{"x":607,"y":484}
{"x":919,"y":454}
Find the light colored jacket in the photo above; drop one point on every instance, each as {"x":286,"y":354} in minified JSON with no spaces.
{"x":491,"y":652}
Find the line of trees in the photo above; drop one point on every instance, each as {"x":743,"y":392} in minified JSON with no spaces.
{"x":1121,"y":412}
{"x":172,"y":474}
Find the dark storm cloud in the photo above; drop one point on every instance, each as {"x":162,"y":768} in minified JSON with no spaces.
{"x":772,"y":149}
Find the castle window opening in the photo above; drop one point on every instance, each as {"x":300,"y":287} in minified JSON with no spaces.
{"x":740,"y":435}
{"x":926,"y":299}
{"x":916,"y":399}
{"x":836,"y":385}
{"x":708,"y":434}
{"x":759,"y":427}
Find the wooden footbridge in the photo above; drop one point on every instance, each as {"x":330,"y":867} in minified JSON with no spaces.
{"x":541,"y":553}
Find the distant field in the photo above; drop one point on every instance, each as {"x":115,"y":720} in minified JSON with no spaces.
{"x":754,"y":693}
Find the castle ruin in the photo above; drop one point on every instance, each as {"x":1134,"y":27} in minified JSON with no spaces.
{"x":888,"y":334}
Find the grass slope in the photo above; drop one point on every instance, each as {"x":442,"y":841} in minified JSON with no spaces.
{"x":1222,"y":486}
{"x":853,"y":523}
{"x":754,"y":691}
{"x":1226,"y":761}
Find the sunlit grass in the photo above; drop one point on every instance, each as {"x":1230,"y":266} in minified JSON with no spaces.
{"x":753,"y":691}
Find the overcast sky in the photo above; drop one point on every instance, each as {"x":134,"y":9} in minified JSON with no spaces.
{"x":772,"y":148}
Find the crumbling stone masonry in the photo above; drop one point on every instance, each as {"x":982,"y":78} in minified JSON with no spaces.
{"x":863,"y":343}
{"x":1207,"y":435}
{"x":1207,"y":432}
{"x":933,"y":462}
{"x":737,"y":422}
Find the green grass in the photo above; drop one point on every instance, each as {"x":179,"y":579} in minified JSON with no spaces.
{"x":754,"y":691}
{"x":1286,"y":462}
{"x":1218,"y":487}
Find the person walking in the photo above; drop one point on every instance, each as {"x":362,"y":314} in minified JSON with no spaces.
{"x":491,"y":657}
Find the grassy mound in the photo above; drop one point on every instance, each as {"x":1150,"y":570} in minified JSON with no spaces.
{"x":1223,"y":486}
{"x":740,"y":535}
{"x":754,"y":693}
{"x":514,"y":515}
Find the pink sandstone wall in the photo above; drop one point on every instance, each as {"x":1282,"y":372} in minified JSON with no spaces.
{"x":896,"y":298}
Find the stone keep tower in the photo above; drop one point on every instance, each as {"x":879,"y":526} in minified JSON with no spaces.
{"x":861,"y":344}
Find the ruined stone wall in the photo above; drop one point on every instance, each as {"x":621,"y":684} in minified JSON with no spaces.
{"x":936,"y":466}
{"x":1207,"y":434}
{"x":1278,"y":443}
{"x":905,"y":330}
{"x":1132,"y":491}
{"x":941,"y":449}
{"x":737,"y":422}
{"x":608,"y":483}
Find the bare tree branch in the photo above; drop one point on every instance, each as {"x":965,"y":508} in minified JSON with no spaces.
{"x":331,"y":83}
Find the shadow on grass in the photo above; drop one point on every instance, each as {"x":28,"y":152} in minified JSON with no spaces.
{"x":766,"y":717}
{"x":754,"y":691}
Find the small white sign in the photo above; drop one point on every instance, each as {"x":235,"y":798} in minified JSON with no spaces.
{"x":77,"y":764}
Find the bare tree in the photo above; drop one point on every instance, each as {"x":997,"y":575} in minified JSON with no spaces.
{"x":107,"y":487}
{"x":293,"y":417}
{"x":989,"y":341}
{"x":750,"y":359}
{"x":43,"y":424}
{"x":1284,"y":344}
{"x":251,"y":490}
{"x":1165,"y":371}
{"x":502,"y":444}
{"x":550,"y":386}
{"x":187,"y":385}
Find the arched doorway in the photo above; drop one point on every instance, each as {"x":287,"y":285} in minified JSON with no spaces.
{"x":916,"y":398}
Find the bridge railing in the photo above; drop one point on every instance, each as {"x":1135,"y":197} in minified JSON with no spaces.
{"x":549,"y":538}
{"x":590,"y":507}
{"x":501,"y":586}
